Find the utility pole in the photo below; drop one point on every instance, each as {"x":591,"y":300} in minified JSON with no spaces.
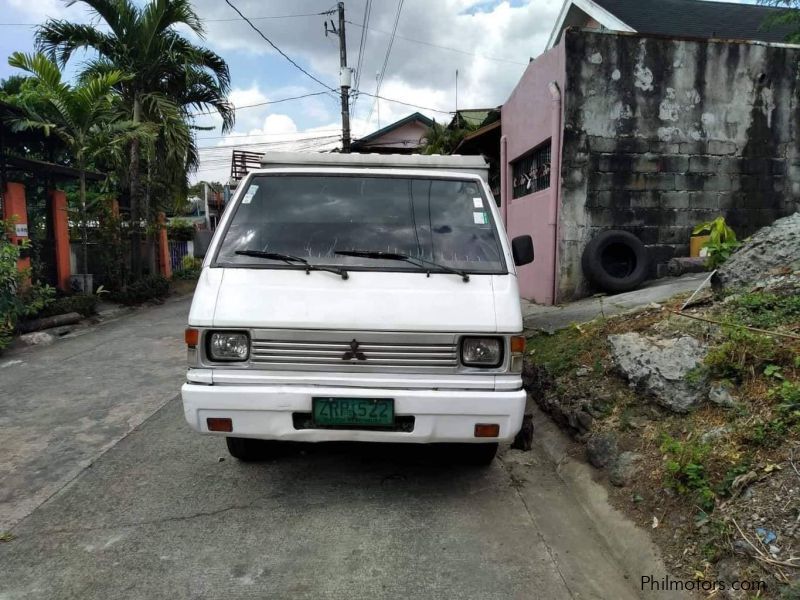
{"x":456,"y":92}
{"x":345,"y":79}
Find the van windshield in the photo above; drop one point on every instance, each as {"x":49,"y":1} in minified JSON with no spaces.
{"x":314,"y":217}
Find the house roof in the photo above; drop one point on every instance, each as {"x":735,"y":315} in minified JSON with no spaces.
{"x":476,"y":117}
{"x":392,"y":126}
{"x":476,"y":138}
{"x":676,"y":18}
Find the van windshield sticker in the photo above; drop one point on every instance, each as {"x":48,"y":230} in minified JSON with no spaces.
{"x":251,"y":192}
{"x":480,"y":218}
{"x":477,"y":202}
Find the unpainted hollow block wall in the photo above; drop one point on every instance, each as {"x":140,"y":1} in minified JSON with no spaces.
{"x":662,"y":134}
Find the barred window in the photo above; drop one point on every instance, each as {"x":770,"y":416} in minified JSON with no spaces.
{"x":531,"y":173}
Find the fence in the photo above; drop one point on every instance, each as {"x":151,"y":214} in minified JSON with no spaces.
{"x":177,"y":250}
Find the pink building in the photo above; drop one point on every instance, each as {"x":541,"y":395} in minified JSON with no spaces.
{"x":531,"y":143}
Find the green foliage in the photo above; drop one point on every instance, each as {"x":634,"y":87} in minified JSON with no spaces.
{"x":167,"y":79}
{"x":743,"y":353}
{"x":686,"y":471}
{"x":725,"y":487}
{"x":84,"y":304}
{"x":441,"y":139}
{"x":112,"y":247}
{"x":774,"y":371}
{"x":766,"y":310}
{"x":151,"y":287}
{"x":180,"y":230}
{"x":788,"y":394}
{"x":190,"y":263}
{"x":16,"y":300}
{"x":722,"y":241}
{"x":563,"y":351}
{"x":198,"y":189}
{"x":772,"y":433}
{"x":190,"y":268}
{"x":789,"y":17}
{"x":697,"y":375}
{"x":791,"y":591}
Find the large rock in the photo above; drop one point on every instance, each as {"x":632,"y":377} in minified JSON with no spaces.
{"x":601,"y":450}
{"x":37,"y":338}
{"x":625,"y":469}
{"x":661,"y":368}
{"x":770,"y":258}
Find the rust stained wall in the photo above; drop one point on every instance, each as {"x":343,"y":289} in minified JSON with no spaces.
{"x":661,"y":134}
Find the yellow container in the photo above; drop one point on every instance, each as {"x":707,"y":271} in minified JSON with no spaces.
{"x":696,"y":242}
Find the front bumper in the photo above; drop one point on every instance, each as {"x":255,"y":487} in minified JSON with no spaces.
{"x":266,"y":412}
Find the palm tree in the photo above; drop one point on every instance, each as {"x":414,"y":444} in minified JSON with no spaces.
{"x":162,"y":68}
{"x":443,"y":139}
{"x":83,"y":117}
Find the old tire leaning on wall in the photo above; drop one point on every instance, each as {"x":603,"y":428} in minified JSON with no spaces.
{"x":615,"y":261}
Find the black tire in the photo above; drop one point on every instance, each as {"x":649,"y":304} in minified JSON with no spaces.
{"x":249,"y":450}
{"x":615,"y":261}
{"x":479,"y":455}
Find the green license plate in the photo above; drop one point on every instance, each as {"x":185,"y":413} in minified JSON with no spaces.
{"x":365,"y":412}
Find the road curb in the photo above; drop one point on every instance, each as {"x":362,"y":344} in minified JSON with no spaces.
{"x":629,"y":545}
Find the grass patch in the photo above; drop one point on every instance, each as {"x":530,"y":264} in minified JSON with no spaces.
{"x":568,"y":349}
{"x":686,"y":470}
{"x":744,"y":354}
{"x":764,"y":310}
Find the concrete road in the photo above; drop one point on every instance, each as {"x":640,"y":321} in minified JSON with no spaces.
{"x":551,"y":318}
{"x":110,"y":495}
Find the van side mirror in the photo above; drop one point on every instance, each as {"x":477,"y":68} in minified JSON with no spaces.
{"x":202,"y":239}
{"x":522,"y":250}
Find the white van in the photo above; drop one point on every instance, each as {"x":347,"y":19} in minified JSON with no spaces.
{"x":359,"y":297}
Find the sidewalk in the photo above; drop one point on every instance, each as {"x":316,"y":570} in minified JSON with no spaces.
{"x":551,"y":318}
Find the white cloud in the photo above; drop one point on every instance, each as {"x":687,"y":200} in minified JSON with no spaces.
{"x":39,"y":10}
{"x":279,"y":124}
{"x":490,"y":43}
{"x":479,"y":31}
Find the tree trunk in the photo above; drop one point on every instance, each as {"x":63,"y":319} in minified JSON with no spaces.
{"x":135,"y":191}
{"x":84,"y":218}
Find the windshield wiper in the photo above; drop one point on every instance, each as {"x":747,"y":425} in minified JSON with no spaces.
{"x":289,"y":260}
{"x":421,"y":262}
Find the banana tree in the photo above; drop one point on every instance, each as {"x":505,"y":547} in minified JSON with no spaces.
{"x":82,"y":116}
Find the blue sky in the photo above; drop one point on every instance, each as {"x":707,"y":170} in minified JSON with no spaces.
{"x":488,"y":41}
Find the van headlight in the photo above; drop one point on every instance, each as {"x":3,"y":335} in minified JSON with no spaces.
{"x":481,"y":352}
{"x":228,"y":346}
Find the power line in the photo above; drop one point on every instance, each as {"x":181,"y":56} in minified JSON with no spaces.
{"x":320,"y":14}
{"x":386,"y":59}
{"x":362,"y":45}
{"x":235,"y":135}
{"x":317,"y":137}
{"x":281,"y":52}
{"x":466,"y":52}
{"x":212,"y":112}
{"x":293,"y":16}
{"x":446,"y":112}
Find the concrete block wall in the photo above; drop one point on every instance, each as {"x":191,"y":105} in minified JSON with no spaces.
{"x":662,"y":134}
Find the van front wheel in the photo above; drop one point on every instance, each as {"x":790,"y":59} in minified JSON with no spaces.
{"x":477,"y":454}
{"x":248,"y":450}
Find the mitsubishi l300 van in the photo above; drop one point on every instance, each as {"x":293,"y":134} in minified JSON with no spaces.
{"x":359,"y":298}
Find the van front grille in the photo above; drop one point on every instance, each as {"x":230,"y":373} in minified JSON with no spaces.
{"x":357,"y":351}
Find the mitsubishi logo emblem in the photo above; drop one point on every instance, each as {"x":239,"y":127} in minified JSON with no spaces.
{"x":353,"y":352}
